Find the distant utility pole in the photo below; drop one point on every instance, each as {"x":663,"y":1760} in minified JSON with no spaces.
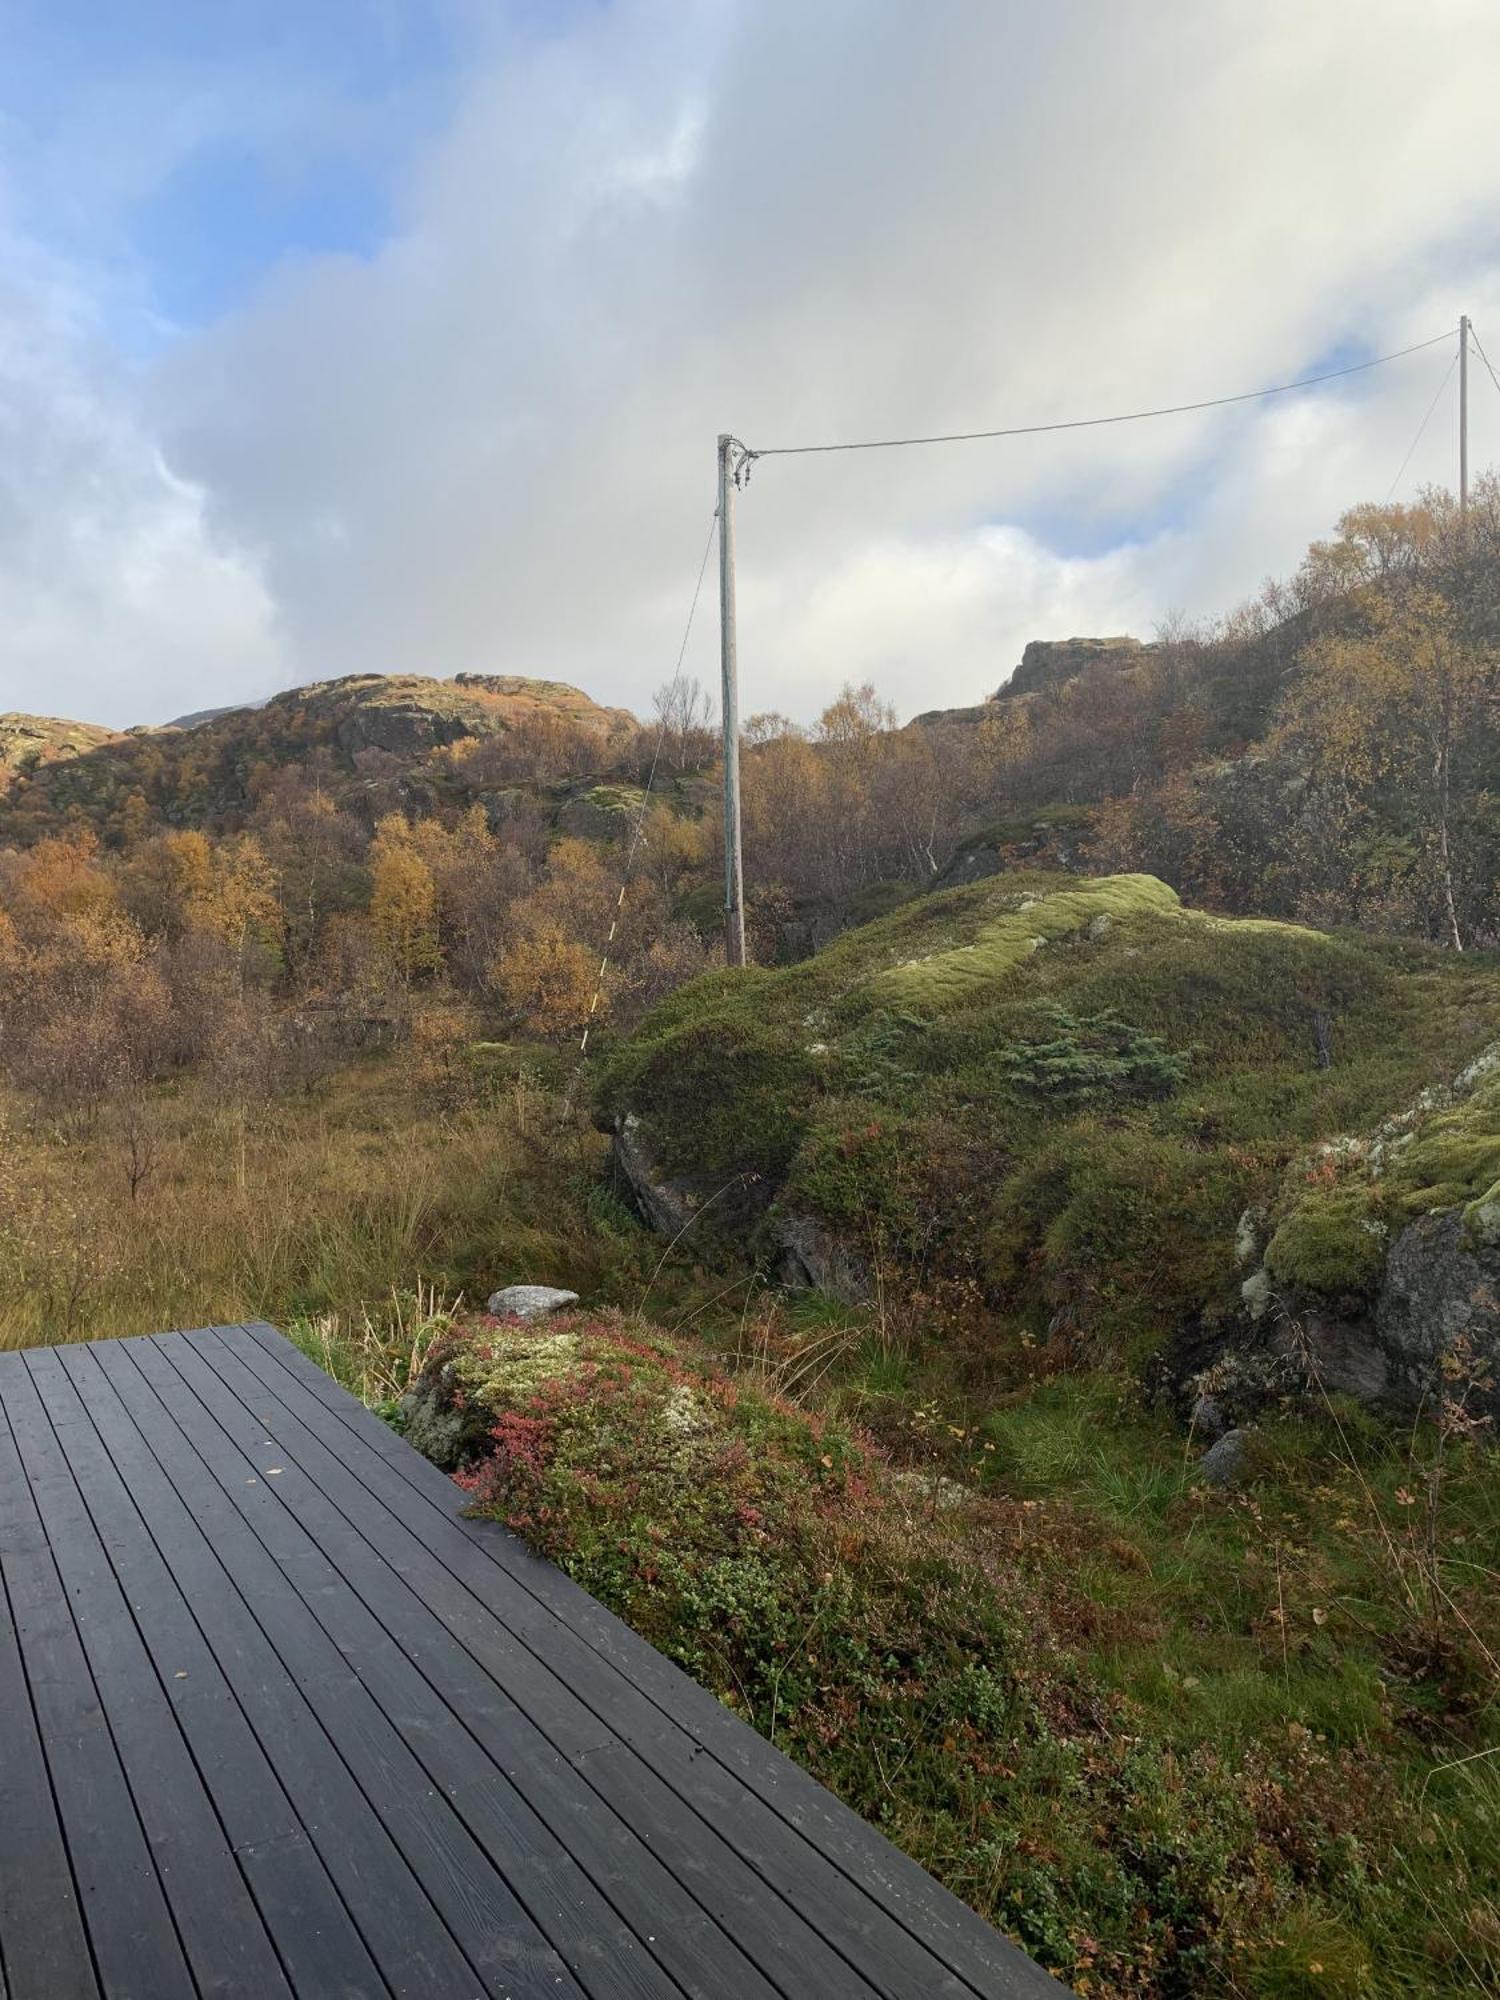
{"x":1463,"y":414}
{"x":731,"y":456}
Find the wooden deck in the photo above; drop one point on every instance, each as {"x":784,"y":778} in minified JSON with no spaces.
{"x":277,"y":1720}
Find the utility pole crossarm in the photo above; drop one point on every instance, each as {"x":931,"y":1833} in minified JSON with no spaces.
{"x":731,"y":457}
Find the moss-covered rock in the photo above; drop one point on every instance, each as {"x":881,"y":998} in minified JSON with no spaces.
{"x":1060,"y":1095}
{"x":946,"y":979}
{"x":1384,"y":1263}
{"x":1332,"y":1242}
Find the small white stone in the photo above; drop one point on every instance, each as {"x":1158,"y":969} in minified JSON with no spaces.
{"x":529,"y":1301}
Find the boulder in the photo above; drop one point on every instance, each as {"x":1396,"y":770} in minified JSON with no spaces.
{"x":1207,"y":1419}
{"x":1226,"y":1463}
{"x":1440,"y":1302}
{"x":813,"y":1255}
{"x":529,"y":1301}
{"x":439,"y":1420}
{"x":1356,"y":1286}
{"x":668,"y":1205}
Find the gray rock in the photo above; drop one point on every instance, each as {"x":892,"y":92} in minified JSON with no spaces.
{"x":1257,"y":1293}
{"x":667,"y":1205}
{"x":813,"y":1255}
{"x":442,"y":1422}
{"x":1250,"y":1237}
{"x":1225,"y":1464}
{"x":1325,"y":1352}
{"x":1441,"y":1291}
{"x":529,"y":1301}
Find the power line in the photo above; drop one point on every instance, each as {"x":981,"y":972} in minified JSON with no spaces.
{"x":1092,"y":423}
{"x":640,"y":818}
{"x":1483,"y":356}
{"x":1422,"y":427}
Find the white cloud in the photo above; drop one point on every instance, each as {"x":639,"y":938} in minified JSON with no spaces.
{"x":491,"y":446}
{"x":113,"y":593}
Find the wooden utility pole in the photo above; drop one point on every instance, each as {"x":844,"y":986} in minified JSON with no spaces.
{"x":1463,"y":414}
{"x":734,"y":885}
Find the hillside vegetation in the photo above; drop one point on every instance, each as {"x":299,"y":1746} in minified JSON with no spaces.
{"x":1118,"y":1077}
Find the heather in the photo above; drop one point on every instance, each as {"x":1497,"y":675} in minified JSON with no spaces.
{"x":1175,"y":1741}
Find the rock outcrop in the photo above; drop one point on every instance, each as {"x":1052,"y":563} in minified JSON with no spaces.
{"x":668,"y":1204}
{"x":29,"y":741}
{"x":1379,"y":1276}
{"x":1046,"y":664}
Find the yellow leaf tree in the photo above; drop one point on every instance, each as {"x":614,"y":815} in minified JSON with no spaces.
{"x":403,"y":901}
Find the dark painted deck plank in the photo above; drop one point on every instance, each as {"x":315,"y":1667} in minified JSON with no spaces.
{"x":42,"y":1940}
{"x":311,"y":1776}
{"x":470,"y":1718}
{"x":222,"y":1934}
{"x":293,"y":1521}
{"x":819,"y":1856}
{"x":135,"y":1945}
{"x":316,"y":1938}
{"x":277,"y":1684}
{"x":790,"y":1951}
{"x":344,"y":1732}
{"x":434,"y":1916}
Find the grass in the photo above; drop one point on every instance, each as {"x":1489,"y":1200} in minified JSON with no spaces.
{"x":359,"y":1205}
{"x":1179,"y":1743}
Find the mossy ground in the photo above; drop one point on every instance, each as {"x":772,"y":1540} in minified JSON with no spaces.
{"x":916,"y":1087}
{"x":1176,"y":1742}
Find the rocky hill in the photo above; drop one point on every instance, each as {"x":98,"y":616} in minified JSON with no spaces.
{"x":1099,"y":1122}
{"x":356,"y":731}
{"x":29,"y":741}
{"x":1046,"y":666}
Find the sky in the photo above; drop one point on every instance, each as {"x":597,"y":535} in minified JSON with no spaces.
{"x":395,"y":335}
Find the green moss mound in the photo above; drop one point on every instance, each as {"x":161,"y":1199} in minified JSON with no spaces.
{"x":948,"y":978}
{"x":1058,"y":1094}
{"x":1332,"y":1241}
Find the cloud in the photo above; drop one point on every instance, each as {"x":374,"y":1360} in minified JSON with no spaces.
{"x":490,"y":444}
{"x":114,"y":593}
